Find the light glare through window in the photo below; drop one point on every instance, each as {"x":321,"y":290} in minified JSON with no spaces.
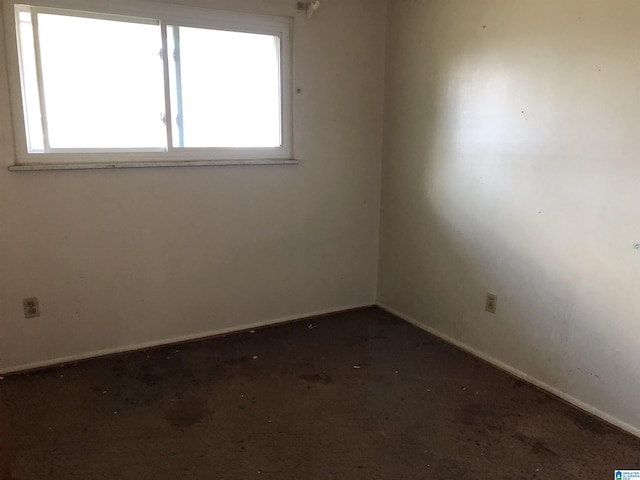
{"x":107,"y":83}
{"x":230,"y":88}
{"x":103,"y":83}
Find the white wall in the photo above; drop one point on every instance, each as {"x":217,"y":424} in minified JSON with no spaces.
{"x":511,"y":165}
{"x":140,"y":256}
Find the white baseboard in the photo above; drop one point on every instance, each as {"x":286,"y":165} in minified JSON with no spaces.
{"x":517,"y":373}
{"x":170,"y":341}
{"x":249,"y":326}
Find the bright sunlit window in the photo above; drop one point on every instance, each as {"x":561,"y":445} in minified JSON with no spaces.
{"x":238,"y":108}
{"x":185,"y":85}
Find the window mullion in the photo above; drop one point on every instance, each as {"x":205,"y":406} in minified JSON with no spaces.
{"x":178,"y":72}
{"x":167,"y":86}
{"x":40,"y":79}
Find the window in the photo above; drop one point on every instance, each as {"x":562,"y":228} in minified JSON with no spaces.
{"x":176,"y":85}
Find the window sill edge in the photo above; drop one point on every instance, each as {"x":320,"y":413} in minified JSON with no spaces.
{"x":30,"y":167}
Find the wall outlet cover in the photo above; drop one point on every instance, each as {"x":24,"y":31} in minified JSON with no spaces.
{"x":491,"y":302}
{"x":31,"y":307}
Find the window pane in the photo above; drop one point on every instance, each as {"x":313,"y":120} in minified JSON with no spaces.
{"x":230,"y":89}
{"x":33,"y":120}
{"x":102,"y":83}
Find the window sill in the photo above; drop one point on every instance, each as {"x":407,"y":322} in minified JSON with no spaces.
{"x":148,"y":164}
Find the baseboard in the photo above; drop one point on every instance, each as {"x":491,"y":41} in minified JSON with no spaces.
{"x":517,"y":373}
{"x":173,"y":341}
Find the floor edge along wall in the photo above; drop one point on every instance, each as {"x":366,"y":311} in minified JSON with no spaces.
{"x":267,"y":323}
{"x":517,"y":373}
{"x":23,"y":368}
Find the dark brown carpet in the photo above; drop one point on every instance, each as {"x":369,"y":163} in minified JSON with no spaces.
{"x":288,"y":402}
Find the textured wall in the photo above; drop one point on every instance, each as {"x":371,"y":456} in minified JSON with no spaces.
{"x":510,"y":165}
{"x":124,"y":258}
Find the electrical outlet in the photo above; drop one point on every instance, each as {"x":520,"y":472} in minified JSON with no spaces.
{"x":491,"y":302}
{"x":31,"y":307}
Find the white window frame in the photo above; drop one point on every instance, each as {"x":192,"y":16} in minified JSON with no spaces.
{"x":164,"y":15}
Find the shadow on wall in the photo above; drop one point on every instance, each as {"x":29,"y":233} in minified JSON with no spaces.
{"x":507,"y":170}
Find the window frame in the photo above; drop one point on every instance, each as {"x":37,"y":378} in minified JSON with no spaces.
{"x":163,"y":15}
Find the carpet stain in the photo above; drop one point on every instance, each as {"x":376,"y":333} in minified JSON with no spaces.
{"x":537,"y":446}
{"x":317,"y":378}
{"x":586,"y":422}
{"x":187,"y":411}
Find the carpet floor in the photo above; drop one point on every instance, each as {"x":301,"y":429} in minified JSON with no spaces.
{"x":355,"y":395}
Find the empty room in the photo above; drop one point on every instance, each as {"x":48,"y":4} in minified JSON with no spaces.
{"x":351,"y":239}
